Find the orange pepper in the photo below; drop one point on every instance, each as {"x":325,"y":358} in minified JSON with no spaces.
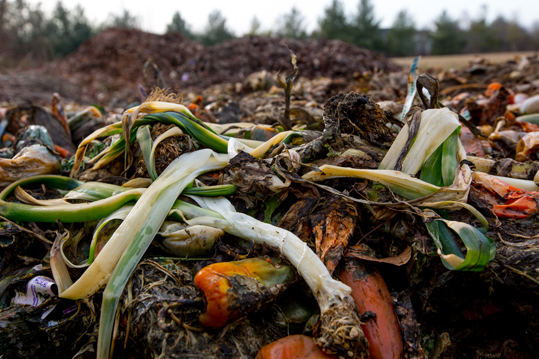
{"x":506,"y":200}
{"x":519,"y":204}
{"x":197,"y":103}
{"x":527,"y":127}
{"x":221,"y":301}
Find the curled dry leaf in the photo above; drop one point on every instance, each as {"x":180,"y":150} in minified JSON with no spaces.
{"x":399,"y":260}
{"x":333,"y":227}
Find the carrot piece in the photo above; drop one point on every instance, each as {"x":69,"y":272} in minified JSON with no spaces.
{"x":495,"y":86}
{"x":8,"y":137}
{"x":371,"y":294}
{"x":62,"y":151}
{"x":527,"y":127}
{"x":293,"y":347}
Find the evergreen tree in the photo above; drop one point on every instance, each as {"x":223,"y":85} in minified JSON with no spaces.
{"x":292,"y":25}
{"x":81,"y":27}
{"x":365,"y":28}
{"x":534,"y":43}
{"x":178,"y":24}
{"x":401,"y":38}
{"x":216,"y":30}
{"x":34,"y":35}
{"x":519,"y":38}
{"x":447,"y":37}
{"x":254,"y":29}
{"x":479,"y":37}
{"x":67,"y":30}
{"x":125,"y":20}
{"x":510,"y":36}
{"x":24,"y":29}
{"x":334,"y":24}
{"x":500,"y":28}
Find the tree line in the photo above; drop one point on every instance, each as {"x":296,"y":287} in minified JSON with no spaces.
{"x":30,"y":36}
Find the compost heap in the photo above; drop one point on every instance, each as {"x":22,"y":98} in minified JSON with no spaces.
{"x":107,"y":67}
{"x":430,"y":221}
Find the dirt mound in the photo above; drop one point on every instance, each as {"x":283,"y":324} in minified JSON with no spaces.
{"x":111,"y":64}
{"x":233,"y":60}
{"x":120,"y":53}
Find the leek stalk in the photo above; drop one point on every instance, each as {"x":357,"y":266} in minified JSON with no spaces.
{"x":399,"y":182}
{"x":339,"y":315}
{"x":132,"y":238}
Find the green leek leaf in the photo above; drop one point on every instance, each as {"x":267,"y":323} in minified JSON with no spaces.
{"x":480,"y":249}
{"x":449,"y":158}
{"x":432,"y":169}
{"x":200,"y":133}
{"x":145,"y":142}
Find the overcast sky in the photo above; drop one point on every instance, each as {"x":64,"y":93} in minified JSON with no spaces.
{"x":154,"y":15}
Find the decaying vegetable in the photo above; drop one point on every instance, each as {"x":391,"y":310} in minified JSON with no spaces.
{"x":234,"y":289}
{"x":428,"y":130}
{"x":144,"y":219}
{"x":105,"y":199}
{"x":30,"y":161}
{"x":504,"y":199}
{"x":293,"y":347}
{"x":334,"y":224}
{"x":129,"y":242}
{"x":505,"y":167}
{"x":372,"y":296}
{"x":527,"y":147}
{"x":429,"y":143}
{"x":339,"y":330}
{"x":530,"y":105}
{"x":171,"y":328}
{"x":424,"y":172}
{"x":184,"y":242}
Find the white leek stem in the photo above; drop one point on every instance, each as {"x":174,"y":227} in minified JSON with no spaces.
{"x":309,"y":266}
{"x":519,"y":183}
{"x":339,"y":330}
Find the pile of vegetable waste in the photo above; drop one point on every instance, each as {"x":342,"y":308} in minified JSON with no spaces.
{"x":353,"y":229}
{"x":100,"y":72}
